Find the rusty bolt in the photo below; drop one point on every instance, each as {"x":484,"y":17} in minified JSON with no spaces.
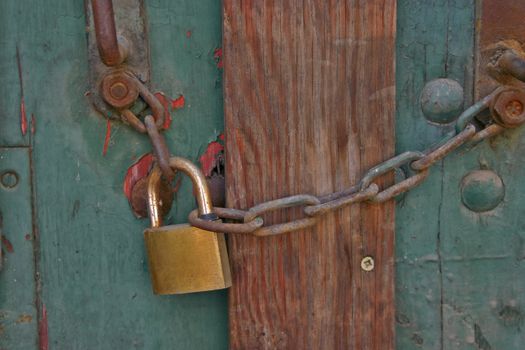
{"x":508,"y":108}
{"x":367,"y":264}
{"x":514,"y":108}
{"x":119,"y":90}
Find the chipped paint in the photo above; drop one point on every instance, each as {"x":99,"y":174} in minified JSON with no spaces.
{"x":43,"y":331}
{"x":178,"y":103}
{"x":6,"y":243}
{"x":135,"y":172}
{"x":188,"y":34}
{"x":24,"y":318}
{"x":107,"y":138}
{"x":166,"y":102}
{"x":217,"y":54}
{"x":210,"y":157}
{"x":23,"y":116}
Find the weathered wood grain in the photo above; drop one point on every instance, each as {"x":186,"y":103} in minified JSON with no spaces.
{"x":309,"y":106}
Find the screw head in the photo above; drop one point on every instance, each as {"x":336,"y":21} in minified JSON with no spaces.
{"x":367,"y":263}
{"x":508,"y":108}
{"x":119,"y":90}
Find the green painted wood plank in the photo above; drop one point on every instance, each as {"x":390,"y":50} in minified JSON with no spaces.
{"x":95,"y":283}
{"x":421,"y":55}
{"x":483,"y":253}
{"x":434,"y":41}
{"x":18,"y":314}
{"x":12,"y":31}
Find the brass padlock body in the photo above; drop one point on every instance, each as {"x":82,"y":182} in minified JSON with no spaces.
{"x":185,"y":259}
{"x":182,"y":258}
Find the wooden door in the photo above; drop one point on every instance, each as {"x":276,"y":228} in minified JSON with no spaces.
{"x":75,"y":274}
{"x":342,"y":80}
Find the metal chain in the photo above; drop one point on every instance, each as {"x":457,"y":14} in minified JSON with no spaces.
{"x":250,"y":221}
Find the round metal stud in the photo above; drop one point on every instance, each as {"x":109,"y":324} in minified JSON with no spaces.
{"x":442,"y":100}
{"x":482,"y":190}
{"x":367,"y":263}
{"x":9,"y":179}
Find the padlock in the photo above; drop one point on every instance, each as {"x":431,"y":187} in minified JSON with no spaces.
{"x":182,"y":258}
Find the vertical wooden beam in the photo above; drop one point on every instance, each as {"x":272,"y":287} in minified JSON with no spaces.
{"x":309,"y":107}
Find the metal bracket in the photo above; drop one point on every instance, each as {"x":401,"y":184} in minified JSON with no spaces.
{"x":500,"y":57}
{"x":117,"y":43}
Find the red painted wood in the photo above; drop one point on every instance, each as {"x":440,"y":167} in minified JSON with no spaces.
{"x":309,"y":107}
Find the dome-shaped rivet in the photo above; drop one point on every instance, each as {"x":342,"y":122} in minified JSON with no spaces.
{"x":482,"y":190}
{"x":442,"y":100}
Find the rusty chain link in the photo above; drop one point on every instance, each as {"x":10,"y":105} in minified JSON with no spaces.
{"x":418,"y":165}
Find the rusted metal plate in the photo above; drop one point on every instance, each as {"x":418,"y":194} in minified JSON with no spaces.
{"x":130,"y":22}
{"x":500,"y":26}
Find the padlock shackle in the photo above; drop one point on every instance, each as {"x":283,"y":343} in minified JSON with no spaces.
{"x":200,"y":185}
{"x":202,"y":193}
{"x":154,"y":179}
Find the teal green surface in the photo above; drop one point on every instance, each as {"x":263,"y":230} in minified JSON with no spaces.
{"x":460,"y":273}
{"x":483,"y":253}
{"x":435,"y":40}
{"x":93,"y":269}
{"x":18,"y":314}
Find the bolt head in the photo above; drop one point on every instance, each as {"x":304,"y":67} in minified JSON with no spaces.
{"x":119,"y":90}
{"x":508,"y":108}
